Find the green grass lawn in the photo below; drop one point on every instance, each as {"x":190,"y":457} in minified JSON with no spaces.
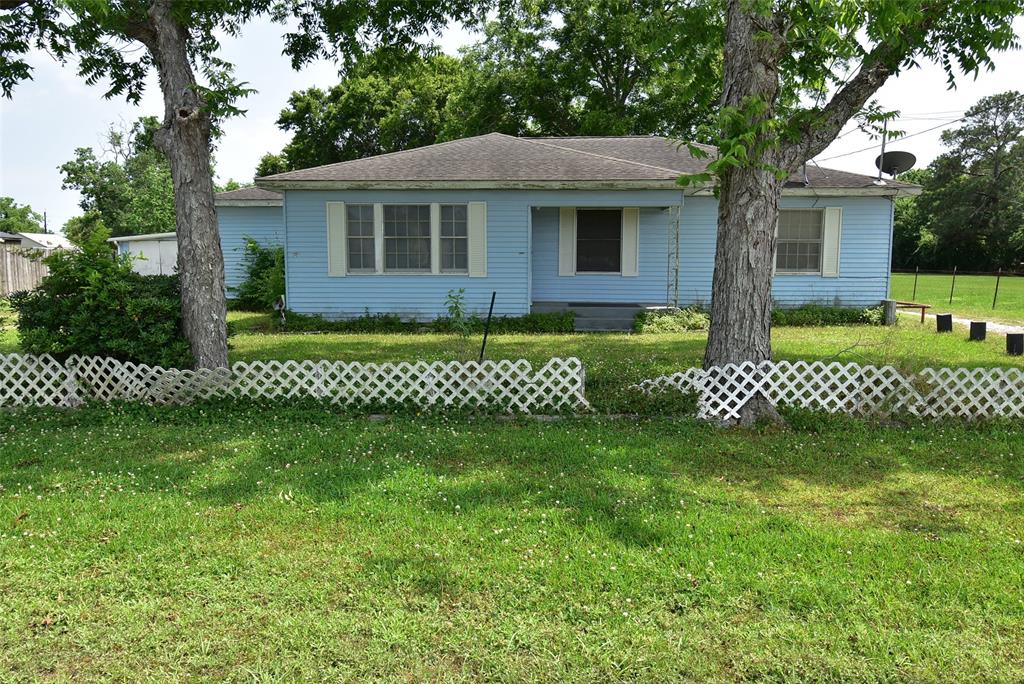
{"x":238,"y":543}
{"x":613,"y":362}
{"x":972,"y":296}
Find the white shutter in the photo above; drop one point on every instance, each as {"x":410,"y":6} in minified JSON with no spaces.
{"x":336,"y":251}
{"x":378,"y":238}
{"x":630,"y":241}
{"x":567,"y":241}
{"x":435,"y":238}
{"x":477,"y":234}
{"x":831,"y":237}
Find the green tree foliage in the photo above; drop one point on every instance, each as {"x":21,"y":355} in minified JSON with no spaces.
{"x":573,"y":67}
{"x":85,"y":228}
{"x":119,"y":42}
{"x":93,"y":303}
{"x":971,"y":211}
{"x":911,"y":238}
{"x":383,"y":105}
{"x":128,"y":187}
{"x":594,"y":67}
{"x":18,"y":218}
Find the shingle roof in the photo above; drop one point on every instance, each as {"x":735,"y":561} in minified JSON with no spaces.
{"x":249,"y":194}
{"x":502,"y":159}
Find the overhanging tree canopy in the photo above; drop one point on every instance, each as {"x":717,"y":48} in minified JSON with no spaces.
{"x":178,"y":38}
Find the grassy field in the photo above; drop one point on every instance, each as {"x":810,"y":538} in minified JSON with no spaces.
{"x":615,"y":361}
{"x":972,"y":296}
{"x":252,"y":544}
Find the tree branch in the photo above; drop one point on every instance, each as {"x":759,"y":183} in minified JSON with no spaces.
{"x":821,"y":130}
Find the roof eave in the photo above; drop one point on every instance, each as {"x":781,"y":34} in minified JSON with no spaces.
{"x":247,"y":203}
{"x":141,"y":236}
{"x":703,"y":189}
{"x":282,"y":185}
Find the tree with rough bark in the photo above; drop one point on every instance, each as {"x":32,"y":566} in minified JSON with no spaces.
{"x":794,"y":74}
{"x":120,"y":41}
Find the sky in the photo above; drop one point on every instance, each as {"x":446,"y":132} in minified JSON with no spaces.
{"x":56,"y":112}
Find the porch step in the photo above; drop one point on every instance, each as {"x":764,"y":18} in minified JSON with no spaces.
{"x":603,"y":324}
{"x":593,"y":317}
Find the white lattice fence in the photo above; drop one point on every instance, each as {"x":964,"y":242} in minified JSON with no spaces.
{"x":851,"y":388}
{"x":515,"y":385}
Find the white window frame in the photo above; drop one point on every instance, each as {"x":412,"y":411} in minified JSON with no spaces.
{"x":348,"y":238}
{"x":433,"y":228}
{"x":820,"y":241}
{"x":441,"y":238}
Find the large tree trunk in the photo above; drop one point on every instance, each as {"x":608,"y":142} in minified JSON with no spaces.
{"x":741,"y":290}
{"x":185,"y":140}
{"x":748,"y":208}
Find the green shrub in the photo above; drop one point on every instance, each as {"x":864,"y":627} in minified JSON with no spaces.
{"x":693,"y":318}
{"x":94,"y":304}
{"x":367,"y":323}
{"x":555,"y":322}
{"x":817,"y":315}
{"x":671,"y":320}
{"x":264,"y":278}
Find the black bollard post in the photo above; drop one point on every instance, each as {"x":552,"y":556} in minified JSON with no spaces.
{"x":977,"y":331}
{"x":1015,"y":344}
{"x":943,"y":323}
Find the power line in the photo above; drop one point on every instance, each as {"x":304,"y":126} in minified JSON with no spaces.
{"x":904,"y":137}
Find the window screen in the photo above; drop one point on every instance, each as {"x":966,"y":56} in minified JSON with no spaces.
{"x":407,"y":237}
{"x":454,"y":238}
{"x":798,"y":245}
{"x":598,"y":240}
{"x":359,"y":225}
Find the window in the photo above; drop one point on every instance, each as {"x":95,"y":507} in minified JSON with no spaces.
{"x":359,"y":224}
{"x":407,"y":237}
{"x":598,"y":240}
{"x":798,"y":245}
{"x":454,"y":238}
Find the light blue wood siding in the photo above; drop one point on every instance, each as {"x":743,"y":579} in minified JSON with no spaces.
{"x":863,"y":254}
{"x":522,"y":255}
{"x":262,"y":224}
{"x":649,"y":286}
{"x":311,"y":290}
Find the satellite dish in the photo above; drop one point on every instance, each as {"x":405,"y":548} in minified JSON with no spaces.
{"x":895,"y":163}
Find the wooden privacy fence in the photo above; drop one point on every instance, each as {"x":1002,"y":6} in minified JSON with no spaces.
{"x":27,"y":380}
{"x":851,"y":388}
{"x":19,"y":270}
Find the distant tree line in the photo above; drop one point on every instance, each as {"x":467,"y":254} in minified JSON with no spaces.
{"x":576,"y":67}
{"x":970,"y":213}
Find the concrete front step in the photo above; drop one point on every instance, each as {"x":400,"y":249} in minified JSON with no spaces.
{"x":595,"y":316}
{"x":603,"y":324}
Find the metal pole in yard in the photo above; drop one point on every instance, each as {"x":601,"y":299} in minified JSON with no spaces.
{"x":995,"y":294}
{"x":952,"y":285}
{"x":913,"y":297}
{"x":487,"y":326}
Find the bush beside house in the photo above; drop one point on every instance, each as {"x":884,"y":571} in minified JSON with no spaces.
{"x":93,"y":304}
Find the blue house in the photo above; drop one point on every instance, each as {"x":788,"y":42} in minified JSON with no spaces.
{"x":241,"y":214}
{"x":246,"y":213}
{"x":554,"y":223}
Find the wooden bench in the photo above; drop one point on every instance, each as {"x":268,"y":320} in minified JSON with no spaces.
{"x":914,"y":305}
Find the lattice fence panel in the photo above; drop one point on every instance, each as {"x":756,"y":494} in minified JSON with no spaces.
{"x":513,"y":385}
{"x":850,"y":388}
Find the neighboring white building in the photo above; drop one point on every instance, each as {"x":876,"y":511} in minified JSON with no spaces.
{"x":153,"y":254}
{"x":46,"y":242}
